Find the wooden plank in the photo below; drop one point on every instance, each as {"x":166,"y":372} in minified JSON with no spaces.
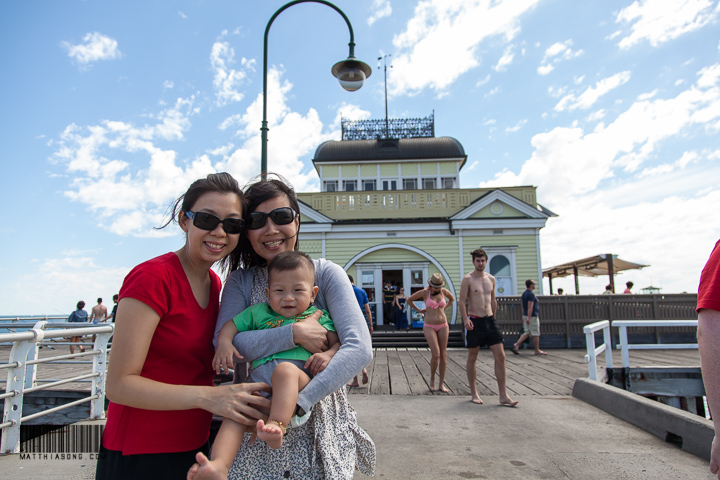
{"x":416,"y":382}
{"x":381,"y":380}
{"x":398,"y":381}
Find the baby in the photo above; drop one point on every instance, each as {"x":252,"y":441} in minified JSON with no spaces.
{"x":290,"y":292}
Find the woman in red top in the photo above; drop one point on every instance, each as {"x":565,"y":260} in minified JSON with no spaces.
{"x":160,"y":375}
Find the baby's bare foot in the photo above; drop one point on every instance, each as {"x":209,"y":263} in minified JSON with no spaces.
{"x":271,"y":433}
{"x":206,"y":469}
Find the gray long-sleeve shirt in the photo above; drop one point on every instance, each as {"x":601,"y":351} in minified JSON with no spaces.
{"x":336,"y":296}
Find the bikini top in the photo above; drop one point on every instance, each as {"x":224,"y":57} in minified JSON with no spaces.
{"x":430,"y":303}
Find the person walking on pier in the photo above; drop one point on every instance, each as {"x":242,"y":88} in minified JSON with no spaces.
{"x":160,"y":377}
{"x":531,"y":323}
{"x":99,"y":312}
{"x":477,"y":308}
{"x":708,"y":309}
{"x":435,"y":326}
{"x":364,"y":304}
{"x":79,"y":316}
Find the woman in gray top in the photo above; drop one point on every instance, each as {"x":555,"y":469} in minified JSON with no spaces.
{"x":329,"y":444}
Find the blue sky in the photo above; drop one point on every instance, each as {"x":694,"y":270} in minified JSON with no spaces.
{"x":110,"y":109}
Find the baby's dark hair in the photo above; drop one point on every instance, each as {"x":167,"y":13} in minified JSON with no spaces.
{"x":293,"y":260}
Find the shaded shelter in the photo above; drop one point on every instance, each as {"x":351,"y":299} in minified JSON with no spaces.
{"x":603,"y":264}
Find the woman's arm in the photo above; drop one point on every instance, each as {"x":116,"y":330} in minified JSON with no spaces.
{"x":449,"y":296}
{"x":134,"y":329}
{"x":337,"y":297}
{"x":416,"y":296}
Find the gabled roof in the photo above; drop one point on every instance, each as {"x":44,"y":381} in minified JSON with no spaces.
{"x":499,"y":195}
{"x":390,"y":149}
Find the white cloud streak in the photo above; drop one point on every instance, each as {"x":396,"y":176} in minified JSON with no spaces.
{"x":659,"y":21}
{"x":591,"y":95}
{"x":446,"y":34}
{"x":227,"y":80}
{"x":96,"y":47}
{"x":380,"y":9}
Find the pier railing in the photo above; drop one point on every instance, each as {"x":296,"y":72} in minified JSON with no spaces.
{"x":565,"y":316}
{"x":22,"y":373}
{"x":624,"y":344}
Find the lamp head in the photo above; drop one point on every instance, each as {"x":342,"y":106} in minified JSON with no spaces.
{"x":351,"y":73}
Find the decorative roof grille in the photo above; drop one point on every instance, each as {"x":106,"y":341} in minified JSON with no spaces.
{"x":388,"y":128}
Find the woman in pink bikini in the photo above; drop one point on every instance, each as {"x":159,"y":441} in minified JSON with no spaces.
{"x":436,"y":328}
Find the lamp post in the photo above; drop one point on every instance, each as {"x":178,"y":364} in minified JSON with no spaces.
{"x":351,"y":73}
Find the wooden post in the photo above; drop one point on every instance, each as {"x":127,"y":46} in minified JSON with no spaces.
{"x":577,"y":283}
{"x":611,"y":270}
{"x":566,"y":313}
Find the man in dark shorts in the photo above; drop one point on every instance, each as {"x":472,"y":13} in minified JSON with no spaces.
{"x":477,"y":290}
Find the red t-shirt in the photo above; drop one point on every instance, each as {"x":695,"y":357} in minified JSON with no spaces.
{"x":180,"y":353}
{"x":709,"y":290}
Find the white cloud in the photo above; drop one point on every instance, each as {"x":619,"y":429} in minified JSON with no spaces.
{"x":505,"y":60}
{"x":96,"y":47}
{"x":517,"y":126}
{"x":227,"y":80}
{"x":446,"y":35}
{"x":168,"y":84}
{"x":586,"y":99}
{"x":648,"y":95}
{"x":483,"y":81}
{"x":569,"y":162}
{"x":380,"y":9}
{"x":556,"y":53}
{"x":182,"y":15}
{"x":659,"y":21}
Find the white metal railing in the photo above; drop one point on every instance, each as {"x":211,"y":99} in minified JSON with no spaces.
{"x":624,"y":346}
{"x":22,"y":374}
{"x":592,"y":351}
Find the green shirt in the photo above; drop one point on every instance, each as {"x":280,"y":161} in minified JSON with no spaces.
{"x":261,"y":317}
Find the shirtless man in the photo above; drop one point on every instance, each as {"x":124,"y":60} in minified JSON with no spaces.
{"x":98,"y":311}
{"x":99,"y":314}
{"x":478,"y":291}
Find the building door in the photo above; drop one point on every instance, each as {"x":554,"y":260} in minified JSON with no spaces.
{"x":500,"y":269}
{"x":395,"y":277}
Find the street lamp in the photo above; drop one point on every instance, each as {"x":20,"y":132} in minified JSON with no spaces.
{"x":351,"y":73}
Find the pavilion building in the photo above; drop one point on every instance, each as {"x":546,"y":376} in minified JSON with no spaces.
{"x":391,"y":209}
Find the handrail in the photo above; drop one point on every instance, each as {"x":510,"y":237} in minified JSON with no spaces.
{"x":592,"y":351}
{"x":625,"y":346}
{"x":22,"y":374}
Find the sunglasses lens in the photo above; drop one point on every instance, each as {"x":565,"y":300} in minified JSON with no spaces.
{"x":205,"y":221}
{"x":279,"y":216}
{"x":233,"y":225}
{"x":282,"y":216}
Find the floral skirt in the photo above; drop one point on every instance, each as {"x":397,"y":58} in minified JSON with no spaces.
{"x":330,"y":445}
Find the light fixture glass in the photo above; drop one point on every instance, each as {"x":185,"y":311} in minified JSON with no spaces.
{"x":351,"y":73}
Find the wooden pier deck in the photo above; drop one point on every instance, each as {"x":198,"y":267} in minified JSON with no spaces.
{"x":406,"y":371}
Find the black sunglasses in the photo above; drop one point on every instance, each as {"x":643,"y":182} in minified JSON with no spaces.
{"x":208,"y":221}
{"x":279,"y":216}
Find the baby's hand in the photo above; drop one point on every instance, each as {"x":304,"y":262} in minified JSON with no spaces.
{"x":224,"y":358}
{"x":318,"y":361}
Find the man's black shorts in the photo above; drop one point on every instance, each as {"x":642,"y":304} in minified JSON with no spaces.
{"x":484,"y":332}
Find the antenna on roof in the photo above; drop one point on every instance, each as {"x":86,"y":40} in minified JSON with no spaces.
{"x":387,"y":123}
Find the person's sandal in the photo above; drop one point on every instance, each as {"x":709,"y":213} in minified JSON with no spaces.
{"x":280,"y":424}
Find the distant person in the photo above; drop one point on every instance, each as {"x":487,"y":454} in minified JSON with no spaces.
{"x":99,"y":312}
{"x":628,"y":288}
{"x":561,"y":291}
{"x":608,"y":289}
{"x":531,"y":322}
{"x":401,"y":314}
{"x":708,"y":309}
{"x":388,"y":297}
{"x":478,"y":291}
{"x":364,"y":304}
{"x":111,"y":317}
{"x":435,"y":326}
{"x":78,"y":316}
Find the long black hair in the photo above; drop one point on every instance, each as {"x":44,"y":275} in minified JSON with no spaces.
{"x":256,"y":193}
